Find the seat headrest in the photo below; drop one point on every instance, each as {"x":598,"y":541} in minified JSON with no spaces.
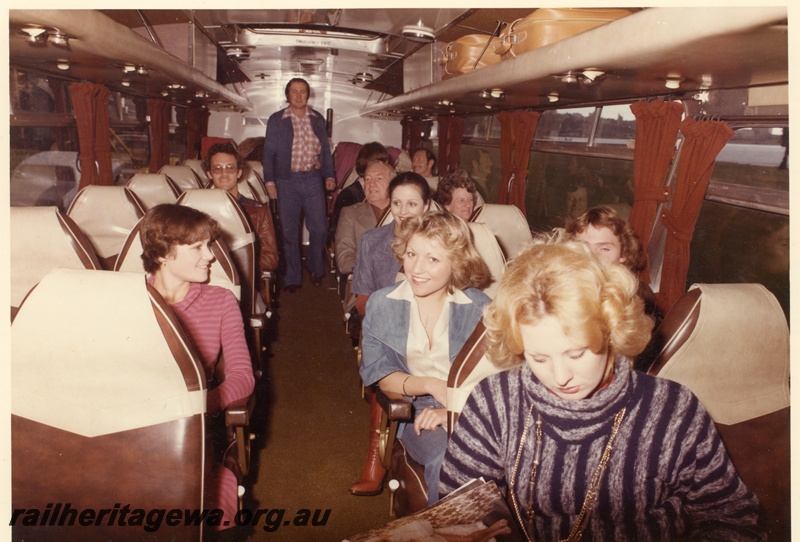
{"x":183,"y":176}
{"x":223,"y":208}
{"x":153,"y":189}
{"x":114,"y":359}
{"x":487,"y":246}
{"x":508,"y":224}
{"x":41,"y":240}
{"x":736,"y":356}
{"x":106,"y":214}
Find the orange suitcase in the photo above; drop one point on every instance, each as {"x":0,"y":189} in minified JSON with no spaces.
{"x":460,"y":56}
{"x":547,"y":25}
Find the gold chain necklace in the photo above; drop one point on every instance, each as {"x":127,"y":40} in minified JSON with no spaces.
{"x":591,"y":494}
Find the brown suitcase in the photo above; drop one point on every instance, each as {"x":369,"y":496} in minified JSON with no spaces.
{"x":547,"y":25}
{"x":460,"y":56}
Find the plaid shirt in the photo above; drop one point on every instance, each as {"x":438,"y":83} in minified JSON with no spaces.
{"x":306,"y":148}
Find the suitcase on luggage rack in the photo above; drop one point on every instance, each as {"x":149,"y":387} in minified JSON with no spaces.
{"x":548,"y":25}
{"x":460,"y":56}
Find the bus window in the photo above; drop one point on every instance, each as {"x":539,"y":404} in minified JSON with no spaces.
{"x":742,"y":233}
{"x":617,"y":126}
{"x":568,"y":125}
{"x":483,"y":165}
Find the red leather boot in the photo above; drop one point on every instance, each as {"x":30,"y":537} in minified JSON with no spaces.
{"x":371,"y":481}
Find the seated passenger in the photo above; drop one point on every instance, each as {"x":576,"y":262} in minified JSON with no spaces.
{"x":578,"y":440}
{"x":177,"y":258}
{"x":413,"y":330}
{"x":224,"y":167}
{"x":457,"y":194}
{"x":354,"y":193}
{"x":376,"y":267}
{"x":363,"y":216}
{"x":614,"y":241}
{"x":423,"y":162}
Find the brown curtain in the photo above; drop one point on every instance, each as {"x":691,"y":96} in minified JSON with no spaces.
{"x":451,"y":130}
{"x":84,"y":106}
{"x":102,"y":137}
{"x":196,"y":128}
{"x":516,"y":136}
{"x":414,"y":131}
{"x":657,"y":124}
{"x":158,"y":110}
{"x":703,"y":140}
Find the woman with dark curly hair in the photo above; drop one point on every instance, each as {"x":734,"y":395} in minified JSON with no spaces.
{"x":583,"y":445}
{"x":177,"y":257}
{"x":457,"y":193}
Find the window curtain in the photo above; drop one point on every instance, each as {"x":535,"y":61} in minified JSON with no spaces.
{"x":451,"y":130}
{"x":196,"y":127}
{"x":84,"y":106}
{"x":516,"y":136}
{"x":657,"y":125}
{"x":158,"y":110}
{"x":414,"y":131}
{"x":703,"y":140}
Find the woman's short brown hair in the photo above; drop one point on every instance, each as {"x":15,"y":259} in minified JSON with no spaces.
{"x":457,"y":178}
{"x":453,"y":235}
{"x":597,"y":303}
{"x":168,"y":225}
{"x":605,"y":217}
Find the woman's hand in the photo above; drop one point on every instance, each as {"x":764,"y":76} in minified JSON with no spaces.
{"x":429,"y":419}
{"x":438,"y":388}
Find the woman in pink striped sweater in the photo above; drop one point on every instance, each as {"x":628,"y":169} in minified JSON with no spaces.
{"x":177,"y":256}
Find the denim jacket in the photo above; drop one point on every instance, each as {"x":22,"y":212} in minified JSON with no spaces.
{"x":277,"y":160}
{"x":385,"y":331}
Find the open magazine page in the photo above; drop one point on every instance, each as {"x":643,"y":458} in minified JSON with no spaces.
{"x":476,"y":512}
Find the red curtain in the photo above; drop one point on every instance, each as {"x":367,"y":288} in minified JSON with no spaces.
{"x":158,"y":110}
{"x":196,"y":128}
{"x":414,"y":130}
{"x":102,"y":137}
{"x":84,"y":106}
{"x":516,"y":136}
{"x":451,"y":130}
{"x":703,"y":140}
{"x":657,"y":124}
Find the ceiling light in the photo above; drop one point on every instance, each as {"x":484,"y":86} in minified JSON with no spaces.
{"x":487,"y":106}
{"x":141,"y":70}
{"x":569,"y":78}
{"x":62,"y":64}
{"x":35,"y":33}
{"x":363,"y":77}
{"x":125,"y":83}
{"x":57,"y":38}
{"x":165,"y":93}
{"x":418,"y":33}
{"x":444,"y":102}
{"x":496,"y":93}
{"x":673,"y":81}
{"x":200,"y":94}
{"x":239,"y":53}
{"x":128,"y":68}
{"x":485,"y":94}
{"x":552,"y":97}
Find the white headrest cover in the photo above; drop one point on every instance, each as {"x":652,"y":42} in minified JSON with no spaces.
{"x":487,"y":246}
{"x":104,"y":365}
{"x":106,"y":215}
{"x":221,"y":206}
{"x":737,"y":359}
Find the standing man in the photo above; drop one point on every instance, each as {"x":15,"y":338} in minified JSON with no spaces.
{"x":297,"y":158}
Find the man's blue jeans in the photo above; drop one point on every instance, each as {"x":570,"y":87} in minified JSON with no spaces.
{"x":303,"y":194}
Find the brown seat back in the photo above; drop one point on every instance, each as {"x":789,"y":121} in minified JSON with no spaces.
{"x":729,"y":344}
{"x":110,"y":409}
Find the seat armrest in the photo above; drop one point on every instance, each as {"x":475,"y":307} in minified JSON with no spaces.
{"x":395,"y":405}
{"x":239,"y":412}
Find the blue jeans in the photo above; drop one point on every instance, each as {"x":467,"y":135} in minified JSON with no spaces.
{"x":427,"y":448}
{"x":303,"y":193}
